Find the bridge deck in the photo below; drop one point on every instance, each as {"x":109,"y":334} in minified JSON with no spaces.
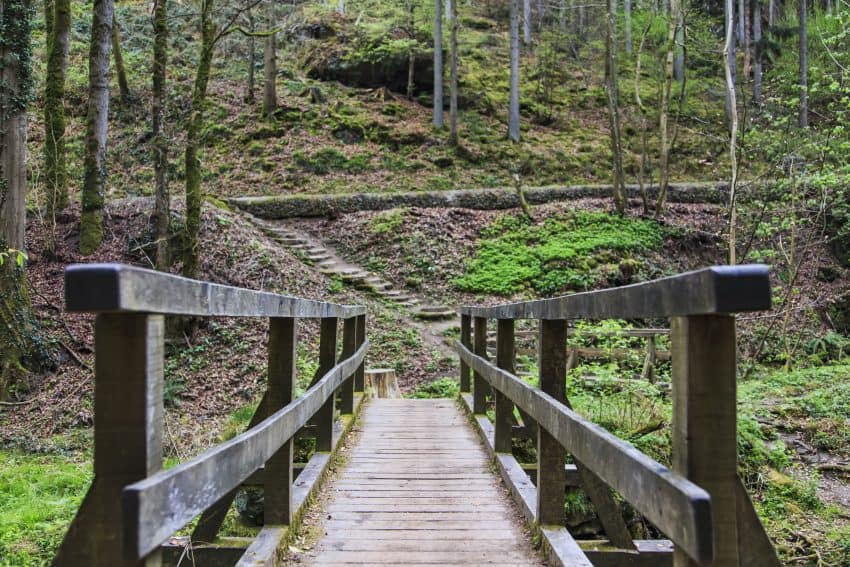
{"x":417,"y":489}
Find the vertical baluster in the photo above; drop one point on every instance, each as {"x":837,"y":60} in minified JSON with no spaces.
{"x":359,"y":385}
{"x":349,"y":346}
{"x":505,"y":355}
{"x":481,"y":388}
{"x":283,"y":340}
{"x":127,"y":436}
{"x":550,"y":455}
{"x":704,"y":427}
{"x":465,"y":340}
{"x":324,"y":418}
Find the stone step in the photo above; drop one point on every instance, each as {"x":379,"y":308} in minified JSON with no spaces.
{"x":326,"y":263}
{"x":317,"y":250}
{"x":434,"y":312}
{"x":378,"y":287}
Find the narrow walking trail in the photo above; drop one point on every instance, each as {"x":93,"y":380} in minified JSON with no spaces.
{"x":417,"y":490}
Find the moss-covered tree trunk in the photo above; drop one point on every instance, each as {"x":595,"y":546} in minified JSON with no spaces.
{"x":438,"y":63}
{"x":94,"y":180}
{"x":20,"y":347}
{"x":270,"y":68}
{"x":55,"y":172}
{"x":513,"y":99}
{"x":194,"y":197}
{"x":120,"y":70}
{"x":162,"y":206}
{"x":453,"y":50}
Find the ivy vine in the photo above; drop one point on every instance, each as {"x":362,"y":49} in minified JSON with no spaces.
{"x":15,"y":28}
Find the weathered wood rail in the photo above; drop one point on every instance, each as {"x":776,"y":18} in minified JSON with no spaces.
{"x":133,"y":506}
{"x":700,"y":504}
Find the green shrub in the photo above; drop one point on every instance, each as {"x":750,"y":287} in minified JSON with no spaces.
{"x":442,"y":388}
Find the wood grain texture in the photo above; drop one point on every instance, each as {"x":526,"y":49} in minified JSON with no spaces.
{"x":411,"y":495}
{"x":158,"y":506}
{"x":720,"y":289}
{"x":677,"y":506}
{"x":99,"y":288}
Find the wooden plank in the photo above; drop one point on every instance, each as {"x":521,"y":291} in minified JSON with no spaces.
{"x":755,"y":546}
{"x":480,"y":389}
{"x":505,"y":356}
{"x":466,"y":340}
{"x":677,"y":506}
{"x":359,"y":376}
{"x":179,"y":551}
{"x":99,"y":288}
{"x":417,"y":557}
{"x":160,"y":505}
{"x":128,"y":411}
{"x":646,"y":553}
{"x":282,"y":355}
{"x":349,"y":345}
{"x":263,"y":551}
{"x":324,"y":418}
{"x":719,"y":289}
{"x":552,"y":361}
{"x":704,"y":444}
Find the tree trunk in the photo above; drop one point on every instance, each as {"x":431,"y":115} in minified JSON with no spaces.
{"x":679,"y":55}
{"x":644,"y":125}
{"x":162,"y":206}
{"x":664,"y":114}
{"x":627,"y":9}
{"x":438,"y":63}
{"x":94,"y":164}
{"x":20,"y":344}
{"x":771,"y":13}
{"x":453,"y":137}
{"x":270,"y":69}
{"x":618,"y":185}
{"x":55,"y":171}
{"x":513,"y":109}
{"x":194,"y":197}
{"x":252,"y":60}
{"x":741,"y":24}
{"x":562,"y":15}
{"x":804,"y":68}
{"x":382,"y":383}
{"x":729,"y":18}
{"x":411,"y":55}
{"x":733,"y":130}
{"x":756,"y":45}
{"x":123,"y":85}
{"x":745,"y":43}
{"x":526,"y":22}
{"x":340,"y":7}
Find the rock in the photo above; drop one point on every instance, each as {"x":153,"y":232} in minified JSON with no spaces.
{"x":443,"y":162}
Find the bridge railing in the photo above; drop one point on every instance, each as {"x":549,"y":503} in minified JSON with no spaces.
{"x":133,"y":507}
{"x":700,"y":504}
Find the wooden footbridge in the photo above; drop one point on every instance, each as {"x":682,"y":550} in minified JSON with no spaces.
{"x":420,"y":483}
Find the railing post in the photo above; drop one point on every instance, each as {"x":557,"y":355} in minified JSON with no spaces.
{"x":128,"y":414}
{"x":349,"y":346}
{"x":283,"y":340}
{"x":327,"y":359}
{"x":550,"y":455}
{"x":505,"y":354}
{"x":704,"y":422}
{"x":480,"y":388}
{"x":465,"y":340}
{"x":359,"y":384}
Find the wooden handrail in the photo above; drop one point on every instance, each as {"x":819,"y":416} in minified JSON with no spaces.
{"x":678,"y":507}
{"x":720,"y":289}
{"x":133,"y":507}
{"x":158,"y":506}
{"x":106,"y":288}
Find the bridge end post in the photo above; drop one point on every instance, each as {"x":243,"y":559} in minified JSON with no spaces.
{"x":360,"y":374}
{"x":349,"y":346}
{"x":480,"y":387}
{"x":705,"y":448}
{"x":283,"y":341}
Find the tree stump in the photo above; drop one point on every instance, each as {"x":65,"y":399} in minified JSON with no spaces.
{"x":382,"y":383}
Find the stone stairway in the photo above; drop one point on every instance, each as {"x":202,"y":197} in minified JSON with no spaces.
{"x":315,"y":252}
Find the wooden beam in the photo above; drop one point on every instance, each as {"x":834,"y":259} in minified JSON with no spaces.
{"x":359,"y":376}
{"x":128,"y":411}
{"x":263,"y":550}
{"x":505,"y":356}
{"x":705,"y":448}
{"x":466,"y":340}
{"x":283,"y":343}
{"x":100,"y":288}
{"x":552,"y":361}
{"x":349,"y":345}
{"x":158,"y":506}
{"x":720,"y":289}
{"x":678,"y":507}
{"x":324,"y":418}
{"x":480,"y":389}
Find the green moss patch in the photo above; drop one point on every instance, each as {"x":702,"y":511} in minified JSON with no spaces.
{"x":562,"y":253}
